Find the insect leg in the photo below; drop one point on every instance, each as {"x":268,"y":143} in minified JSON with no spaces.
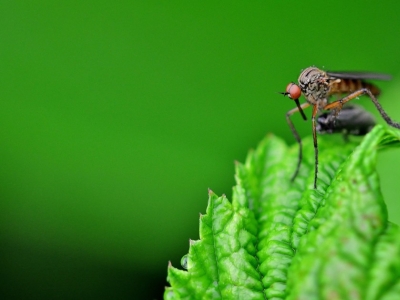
{"x":314,"y":131}
{"x":337,"y":105}
{"x":296,"y":135}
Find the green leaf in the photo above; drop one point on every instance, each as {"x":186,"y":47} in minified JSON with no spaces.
{"x":284,"y":240}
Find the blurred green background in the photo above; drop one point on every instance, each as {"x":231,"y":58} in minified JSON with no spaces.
{"x":116,"y":117}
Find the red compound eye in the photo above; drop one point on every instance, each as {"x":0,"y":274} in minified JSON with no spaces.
{"x":293,"y":91}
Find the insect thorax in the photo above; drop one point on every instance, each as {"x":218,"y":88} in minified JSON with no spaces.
{"x":314,"y":85}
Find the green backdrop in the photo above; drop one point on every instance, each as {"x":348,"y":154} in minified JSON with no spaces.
{"x":116,"y":117}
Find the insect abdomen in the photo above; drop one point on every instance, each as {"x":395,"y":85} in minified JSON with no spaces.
{"x":346,"y":86}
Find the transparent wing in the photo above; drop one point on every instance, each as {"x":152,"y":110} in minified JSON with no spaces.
{"x":359,"y":75}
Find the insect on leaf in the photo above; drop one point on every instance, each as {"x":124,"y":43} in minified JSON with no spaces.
{"x":283,"y":240}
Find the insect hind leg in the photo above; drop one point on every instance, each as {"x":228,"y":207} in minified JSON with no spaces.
{"x":337,"y":105}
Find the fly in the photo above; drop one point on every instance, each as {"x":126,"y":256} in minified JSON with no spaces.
{"x":317,"y":86}
{"x":352,"y":120}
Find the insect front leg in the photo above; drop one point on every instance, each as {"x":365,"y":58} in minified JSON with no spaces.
{"x":296,"y":135}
